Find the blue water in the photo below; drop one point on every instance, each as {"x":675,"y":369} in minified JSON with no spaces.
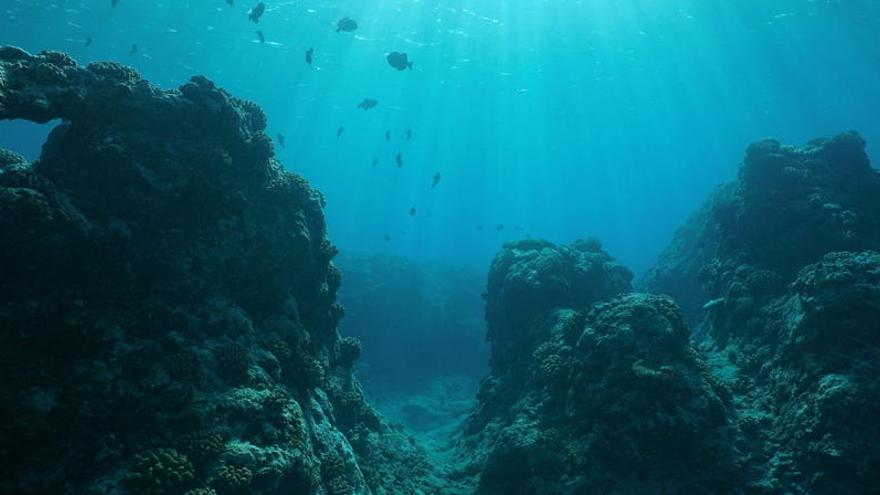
{"x":556,"y":119}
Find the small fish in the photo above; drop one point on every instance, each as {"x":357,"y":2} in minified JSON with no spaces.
{"x":339,"y":131}
{"x":113,"y":3}
{"x":387,"y":237}
{"x":368,"y":103}
{"x":310,"y":54}
{"x":408,"y":134}
{"x":231,"y":3}
{"x":398,"y":159}
{"x":346,"y":24}
{"x":517,"y":228}
{"x":437,"y":178}
{"x":479,"y":227}
{"x":88,"y":41}
{"x":281,"y":139}
{"x":388,"y":136}
{"x":375,"y":161}
{"x":133,"y":49}
{"x":257,"y":12}
{"x":500,"y":227}
{"x":261,"y":36}
{"x":412,"y":211}
{"x":399,"y":61}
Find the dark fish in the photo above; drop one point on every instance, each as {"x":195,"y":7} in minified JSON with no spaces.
{"x":517,"y":228}
{"x":412,"y":211}
{"x":261,"y":36}
{"x":230,"y":2}
{"x":346,"y":24}
{"x":368,"y":103}
{"x":133,"y":49}
{"x":437,"y":178}
{"x":387,"y":237}
{"x":388,"y":136}
{"x":399,"y":61}
{"x":113,"y":3}
{"x":339,"y":131}
{"x":398,"y":159}
{"x":257,"y":12}
{"x":408,"y":134}
{"x":89,"y":41}
{"x":500,"y":227}
{"x":310,"y":53}
{"x":375,"y":161}
{"x":479,"y":227}
{"x":281,"y":139}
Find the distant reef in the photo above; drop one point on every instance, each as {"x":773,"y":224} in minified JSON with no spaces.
{"x":772,"y":389}
{"x":168,"y":324}
{"x":167,"y":300}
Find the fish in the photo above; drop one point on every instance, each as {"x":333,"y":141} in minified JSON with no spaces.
{"x":398,"y":159}
{"x":133,"y":49}
{"x":500,"y":227}
{"x":231,"y":3}
{"x":261,"y":36}
{"x":113,"y":3}
{"x":368,"y":103}
{"x":387,"y":237}
{"x":346,"y":24}
{"x":375,"y":161}
{"x":310,"y":53}
{"x":339,"y":131}
{"x":257,"y":12}
{"x":399,"y":61}
{"x":88,"y":41}
{"x":408,"y":134}
{"x":388,"y":136}
{"x":479,"y":227}
{"x":436,"y":180}
{"x":281,"y":139}
{"x":412,"y":211}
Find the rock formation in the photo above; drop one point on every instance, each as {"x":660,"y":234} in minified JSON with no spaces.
{"x":168,"y":302}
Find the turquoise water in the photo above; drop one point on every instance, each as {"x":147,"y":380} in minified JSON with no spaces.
{"x":556,"y":119}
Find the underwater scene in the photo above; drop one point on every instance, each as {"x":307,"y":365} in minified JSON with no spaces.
{"x":439,"y":247}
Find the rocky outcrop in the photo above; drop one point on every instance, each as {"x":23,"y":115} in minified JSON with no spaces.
{"x":595,"y":392}
{"x":789,"y":208}
{"x":591,"y":389}
{"x":792,"y":301}
{"x":168,"y":302}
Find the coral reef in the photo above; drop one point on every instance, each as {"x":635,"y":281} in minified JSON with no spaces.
{"x":784,"y":263}
{"x":592,"y":389}
{"x":168,"y":301}
{"x":595,"y":392}
{"x":170,"y":324}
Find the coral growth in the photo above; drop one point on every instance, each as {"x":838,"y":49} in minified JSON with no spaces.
{"x":166,"y":283}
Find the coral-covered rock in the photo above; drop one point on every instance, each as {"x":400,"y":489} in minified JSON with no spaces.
{"x":529,"y":278}
{"x":623,"y":405}
{"x":789,"y":208}
{"x":165,"y":283}
{"x":791,"y":284}
{"x":590,"y":392}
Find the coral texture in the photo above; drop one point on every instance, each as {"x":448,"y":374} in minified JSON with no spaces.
{"x":168,"y":300}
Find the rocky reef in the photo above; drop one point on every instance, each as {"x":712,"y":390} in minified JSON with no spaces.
{"x":168,"y":302}
{"x":595,"y":389}
{"x":170,"y":324}
{"x":780,"y":273}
